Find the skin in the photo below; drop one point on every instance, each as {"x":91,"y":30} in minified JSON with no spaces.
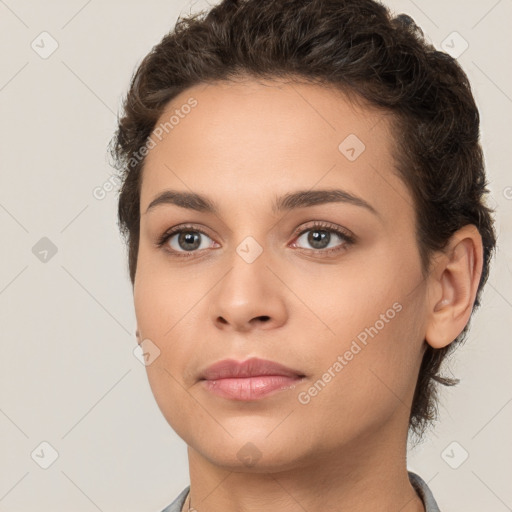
{"x":243,"y":145}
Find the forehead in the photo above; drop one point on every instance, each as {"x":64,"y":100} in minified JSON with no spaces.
{"x":260,"y":137}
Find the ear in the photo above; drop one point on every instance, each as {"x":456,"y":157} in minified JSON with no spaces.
{"x":453,"y":283}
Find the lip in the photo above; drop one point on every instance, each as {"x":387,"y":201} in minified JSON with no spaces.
{"x":252,"y":379}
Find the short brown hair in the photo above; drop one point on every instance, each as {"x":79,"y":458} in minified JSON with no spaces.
{"x":361,"y":48}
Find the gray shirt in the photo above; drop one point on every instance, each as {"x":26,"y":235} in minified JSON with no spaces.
{"x":417,"y":482}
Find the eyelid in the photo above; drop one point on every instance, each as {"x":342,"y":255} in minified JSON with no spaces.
{"x":327,"y":226}
{"x":164,"y":238}
{"x":346,"y":236}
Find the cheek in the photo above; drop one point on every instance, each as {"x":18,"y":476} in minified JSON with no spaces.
{"x":162,"y":296}
{"x":358,"y":386}
{"x":168,"y":310}
{"x":370,"y":356}
{"x":166,"y":316}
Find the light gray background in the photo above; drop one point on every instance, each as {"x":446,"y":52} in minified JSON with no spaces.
{"x":68,"y":373}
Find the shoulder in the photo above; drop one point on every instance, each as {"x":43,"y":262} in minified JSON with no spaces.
{"x":176,"y":505}
{"x":424,"y":492}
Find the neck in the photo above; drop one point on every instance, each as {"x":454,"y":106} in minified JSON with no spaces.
{"x":369,"y":475}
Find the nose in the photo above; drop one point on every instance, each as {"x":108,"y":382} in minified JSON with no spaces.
{"x":248,"y":297}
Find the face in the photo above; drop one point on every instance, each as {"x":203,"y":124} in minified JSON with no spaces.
{"x":302,"y":253}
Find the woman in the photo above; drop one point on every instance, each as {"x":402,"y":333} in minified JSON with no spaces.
{"x":303,"y":205}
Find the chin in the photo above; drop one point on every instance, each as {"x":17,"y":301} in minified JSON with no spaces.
{"x":252,"y":455}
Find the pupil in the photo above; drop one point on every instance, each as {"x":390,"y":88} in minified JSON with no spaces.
{"x":316,"y":239}
{"x":189,"y":237}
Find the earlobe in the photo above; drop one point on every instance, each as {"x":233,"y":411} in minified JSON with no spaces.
{"x":453,"y":285}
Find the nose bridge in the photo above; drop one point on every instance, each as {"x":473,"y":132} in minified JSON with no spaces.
{"x":249,"y":275}
{"x":249,"y":290}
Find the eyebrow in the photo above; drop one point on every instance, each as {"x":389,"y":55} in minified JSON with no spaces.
{"x":291,"y":201}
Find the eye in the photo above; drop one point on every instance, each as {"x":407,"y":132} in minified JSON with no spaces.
{"x":185,"y":240}
{"x":320,"y":238}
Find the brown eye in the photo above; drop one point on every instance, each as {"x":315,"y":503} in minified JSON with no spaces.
{"x":323,"y":239}
{"x":187,"y":240}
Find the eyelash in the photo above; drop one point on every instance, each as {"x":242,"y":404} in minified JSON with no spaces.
{"x":347,"y":238}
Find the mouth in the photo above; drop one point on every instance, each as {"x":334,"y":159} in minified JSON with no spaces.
{"x":248,"y":380}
